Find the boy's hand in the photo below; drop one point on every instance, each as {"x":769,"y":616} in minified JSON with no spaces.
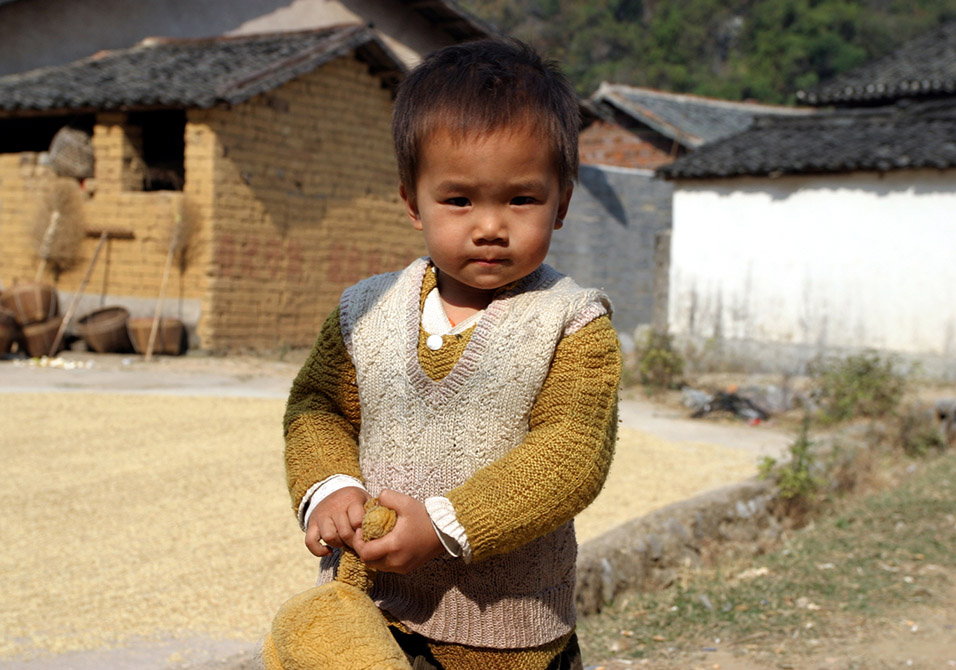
{"x":335,"y":520}
{"x":412,"y":543}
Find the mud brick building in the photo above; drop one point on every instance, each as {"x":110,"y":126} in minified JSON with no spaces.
{"x":279,"y":142}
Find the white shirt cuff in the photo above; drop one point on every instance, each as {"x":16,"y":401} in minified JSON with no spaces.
{"x":450,"y":531}
{"x":320,"y":492}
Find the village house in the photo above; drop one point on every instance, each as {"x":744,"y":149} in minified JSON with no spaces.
{"x":280,"y":146}
{"x":618,"y":227}
{"x":645,"y":128}
{"x":823,"y":234}
{"x":272,"y":150}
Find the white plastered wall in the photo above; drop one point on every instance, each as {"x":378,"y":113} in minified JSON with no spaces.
{"x":859,"y":261}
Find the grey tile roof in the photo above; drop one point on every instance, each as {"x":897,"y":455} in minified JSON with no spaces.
{"x":689,"y":119}
{"x":450,"y":16}
{"x":913,"y":135}
{"x":923,"y":67}
{"x":184,"y":73}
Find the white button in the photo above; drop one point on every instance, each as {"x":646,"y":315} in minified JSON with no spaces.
{"x":434,"y":342}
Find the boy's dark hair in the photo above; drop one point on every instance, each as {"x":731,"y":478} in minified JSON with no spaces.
{"x":480,"y":87}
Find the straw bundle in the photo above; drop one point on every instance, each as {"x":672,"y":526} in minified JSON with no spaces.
{"x":58,"y":227}
{"x":71,"y":153}
{"x":183,"y":238}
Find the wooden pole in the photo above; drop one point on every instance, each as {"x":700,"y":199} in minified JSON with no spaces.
{"x":159,"y":303}
{"x":76,"y":296}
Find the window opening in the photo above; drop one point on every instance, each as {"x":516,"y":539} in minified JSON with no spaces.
{"x":35,"y":133}
{"x":163,"y":137}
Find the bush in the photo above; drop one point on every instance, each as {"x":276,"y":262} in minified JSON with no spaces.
{"x":859,"y":385}
{"x":795,"y":478}
{"x":659,"y":365}
{"x":919,"y":433}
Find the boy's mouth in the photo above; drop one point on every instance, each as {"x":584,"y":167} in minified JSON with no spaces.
{"x":490,"y":261}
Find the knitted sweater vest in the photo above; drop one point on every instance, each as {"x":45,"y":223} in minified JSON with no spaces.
{"x":424,"y":437}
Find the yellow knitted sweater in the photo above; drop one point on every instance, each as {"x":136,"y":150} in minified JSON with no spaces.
{"x":573,"y":424}
{"x":568,"y":447}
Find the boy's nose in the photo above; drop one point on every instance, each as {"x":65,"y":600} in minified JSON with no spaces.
{"x":491,"y":227}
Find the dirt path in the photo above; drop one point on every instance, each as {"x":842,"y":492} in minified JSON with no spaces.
{"x":145,"y":522}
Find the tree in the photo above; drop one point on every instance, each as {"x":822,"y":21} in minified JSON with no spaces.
{"x":765,"y":50}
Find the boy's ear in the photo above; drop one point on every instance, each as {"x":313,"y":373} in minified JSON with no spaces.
{"x":411,"y":207}
{"x":563,"y":205}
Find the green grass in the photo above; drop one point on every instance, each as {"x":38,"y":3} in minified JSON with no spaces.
{"x":862,"y":559}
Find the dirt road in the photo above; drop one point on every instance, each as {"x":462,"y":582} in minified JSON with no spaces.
{"x":145,"y":522}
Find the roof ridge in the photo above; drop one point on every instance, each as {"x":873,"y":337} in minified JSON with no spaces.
{"x":160,"y":40}
{"x":722,"y":102}
{"x":883,"y":79}
{"x":345,"y":40}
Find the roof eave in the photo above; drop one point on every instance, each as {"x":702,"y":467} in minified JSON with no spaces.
{"x":649,"y":119}
{"x":359,"y":41}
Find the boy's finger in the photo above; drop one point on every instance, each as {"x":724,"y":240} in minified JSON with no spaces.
{"x":391,"y":499}
{"x":343,"y":527}
{"x":372,"y":551}
{"x":313,"y":541}
{"x":328,"y":533}
{"x":357,"y":542}
{"x":317,"y":548}
{"x":356,"y":514}
{"x":376,"y":553}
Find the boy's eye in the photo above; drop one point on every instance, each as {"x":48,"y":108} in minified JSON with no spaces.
{"x":457,"y":202}
{"x":523,"y":200}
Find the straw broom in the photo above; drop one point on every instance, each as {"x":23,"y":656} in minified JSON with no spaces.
{"x":184,"y":225}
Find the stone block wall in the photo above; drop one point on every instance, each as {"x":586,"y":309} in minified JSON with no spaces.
{"x":608,"y":239}
{"x":650,"y":552}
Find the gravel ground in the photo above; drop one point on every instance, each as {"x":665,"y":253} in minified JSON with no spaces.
{"x":145,"y":521}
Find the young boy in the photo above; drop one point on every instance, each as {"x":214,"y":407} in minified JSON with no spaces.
{"x":475,"y":391}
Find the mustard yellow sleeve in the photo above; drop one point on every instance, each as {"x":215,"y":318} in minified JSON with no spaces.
{"x":562,"y":464}
{"x":322,"y":416}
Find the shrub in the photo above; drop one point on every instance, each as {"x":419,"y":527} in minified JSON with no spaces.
{"x":919,"y":433}
{"x":660,"y":365}
{"x":795,"y":478}
{"x":859,"y":385}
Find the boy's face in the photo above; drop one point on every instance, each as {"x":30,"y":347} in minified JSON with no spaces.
{"x":487,"y":205}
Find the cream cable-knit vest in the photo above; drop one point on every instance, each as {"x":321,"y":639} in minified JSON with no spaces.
{"x":424,"y":437}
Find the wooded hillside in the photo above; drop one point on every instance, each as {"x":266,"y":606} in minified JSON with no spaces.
{"x":764,"y":50}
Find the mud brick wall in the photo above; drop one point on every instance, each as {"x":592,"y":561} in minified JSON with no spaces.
{"x":127,"y":270}
{"x":304,"y":202}
{"x":22,"y":184}
{"x":604,"y":143}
